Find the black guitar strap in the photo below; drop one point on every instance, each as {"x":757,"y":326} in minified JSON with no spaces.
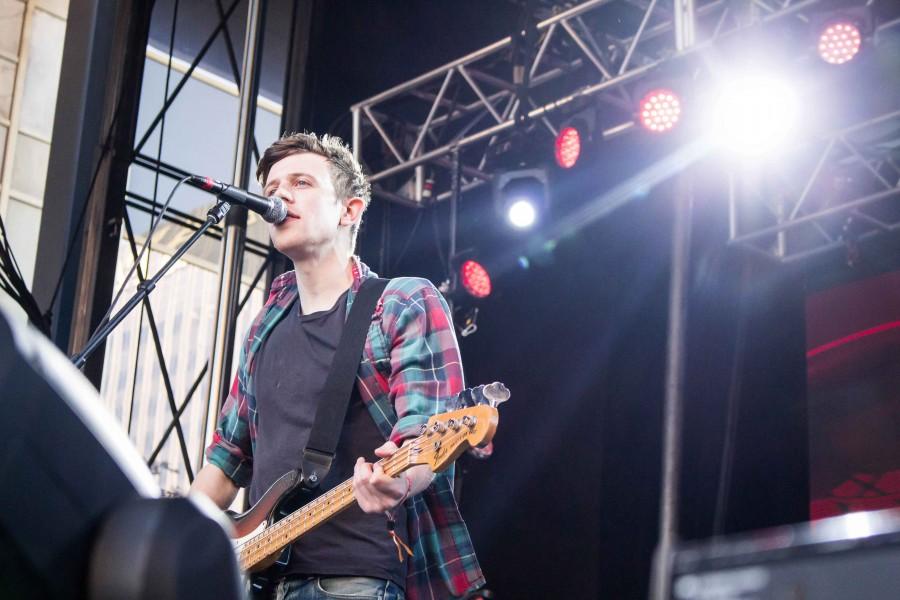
{"x":332,"y":409}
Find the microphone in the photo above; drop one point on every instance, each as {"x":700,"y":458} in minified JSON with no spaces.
{"x":272,"y":209}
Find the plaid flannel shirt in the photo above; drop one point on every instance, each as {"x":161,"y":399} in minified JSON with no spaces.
{"x":410,"y":368}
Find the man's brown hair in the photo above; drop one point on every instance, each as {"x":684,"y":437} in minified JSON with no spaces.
{"x":347,"y":175}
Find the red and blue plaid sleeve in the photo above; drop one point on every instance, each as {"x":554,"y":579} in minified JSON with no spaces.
{"x":231,"y":449}
{"x":426,"y":368}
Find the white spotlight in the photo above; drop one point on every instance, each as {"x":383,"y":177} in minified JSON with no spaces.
{"x":522,"y":213}
{"x":754,"y":115}
{"x":521,"y":196}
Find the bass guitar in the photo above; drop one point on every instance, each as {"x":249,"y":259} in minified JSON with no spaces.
{"x":272,"y":524}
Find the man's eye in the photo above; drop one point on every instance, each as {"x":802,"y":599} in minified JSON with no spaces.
{"x":301,"y":183}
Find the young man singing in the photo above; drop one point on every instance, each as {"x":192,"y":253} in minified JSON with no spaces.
{"x":410,"y":368}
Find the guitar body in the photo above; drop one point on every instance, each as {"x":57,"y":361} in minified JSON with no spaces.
{"x":283,"y":497}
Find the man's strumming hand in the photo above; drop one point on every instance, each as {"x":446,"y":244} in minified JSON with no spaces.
{"x":377,"y":492}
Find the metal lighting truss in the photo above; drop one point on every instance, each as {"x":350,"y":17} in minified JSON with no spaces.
{"x":598,"y":49}
{"x":846,"y":193}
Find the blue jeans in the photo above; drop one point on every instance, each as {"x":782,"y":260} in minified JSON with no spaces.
{"x":337,"y":588}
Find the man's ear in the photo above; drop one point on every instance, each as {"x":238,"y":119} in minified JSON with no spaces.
{"x":353,"y":209}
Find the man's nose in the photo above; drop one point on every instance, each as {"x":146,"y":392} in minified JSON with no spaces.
{"x":282,"y":193}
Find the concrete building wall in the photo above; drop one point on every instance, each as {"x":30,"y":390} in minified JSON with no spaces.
{"x":31,"y":45}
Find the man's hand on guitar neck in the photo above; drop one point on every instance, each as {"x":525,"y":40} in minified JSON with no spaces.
{"x":376,"y":492}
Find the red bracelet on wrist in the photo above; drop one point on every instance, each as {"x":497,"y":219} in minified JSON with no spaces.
{"x":390,"y":513}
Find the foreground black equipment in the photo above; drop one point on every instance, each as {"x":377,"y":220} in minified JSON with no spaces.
{"x":854,"y":556}
{"x":81,"y":515}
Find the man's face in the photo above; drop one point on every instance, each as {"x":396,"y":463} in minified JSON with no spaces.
{"x":303,"y":182}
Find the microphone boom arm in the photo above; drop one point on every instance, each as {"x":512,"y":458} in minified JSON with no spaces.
{"x":215,"y":214}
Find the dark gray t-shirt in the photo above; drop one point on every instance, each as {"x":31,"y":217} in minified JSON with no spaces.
{"x":293,"y":366}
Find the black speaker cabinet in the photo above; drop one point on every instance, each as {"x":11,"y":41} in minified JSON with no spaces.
{"x":80,"y":513}
{"x":856,"y":556}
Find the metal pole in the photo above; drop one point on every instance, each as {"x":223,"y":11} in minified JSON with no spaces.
{"x":674,"y":386}
{"x":675,"y":360}
{"x":781,"y":236}
{"x":357,"y":134}
{"x":455,"y":193}
{"x":732,"y":206}
{"x":232,"y":256}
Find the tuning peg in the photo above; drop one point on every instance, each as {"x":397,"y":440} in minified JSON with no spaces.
{"x":493,"y":394}
{"x":496,"y":394}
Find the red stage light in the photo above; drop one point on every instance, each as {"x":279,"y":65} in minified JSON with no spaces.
{"x":659,"y":110}
{"x":568,"y":147}
{"x":475,"y":279}
{"x":839,"y":42}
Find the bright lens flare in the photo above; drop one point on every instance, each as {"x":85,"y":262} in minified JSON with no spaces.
{"x":839,"y":43}
{"x":522,"y":214}
{"x":659,"y":110}
{"x":754,"y":115}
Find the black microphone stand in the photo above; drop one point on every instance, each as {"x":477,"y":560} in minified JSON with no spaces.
{"x":215,"y":214}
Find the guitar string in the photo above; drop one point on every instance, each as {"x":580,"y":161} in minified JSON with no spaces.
{"x":262,"y":545}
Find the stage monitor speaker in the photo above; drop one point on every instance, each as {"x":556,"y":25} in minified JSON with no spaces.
{"x":80,"y":513}
{"x":853,"y":556}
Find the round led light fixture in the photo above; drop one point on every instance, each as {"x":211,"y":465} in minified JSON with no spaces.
{"x":568,"y":147}
{"x":475,"y":279}
{"x":839,"y":42}
{"x":659,"y":110}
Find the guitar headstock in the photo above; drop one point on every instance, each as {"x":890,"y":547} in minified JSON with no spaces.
{"x":449,"y":434}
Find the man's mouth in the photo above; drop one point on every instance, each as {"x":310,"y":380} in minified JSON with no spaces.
{"x":292,"y":214}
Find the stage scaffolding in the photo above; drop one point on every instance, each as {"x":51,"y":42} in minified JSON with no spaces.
{"x":476,"y":102}
{"x":473,"y":105}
